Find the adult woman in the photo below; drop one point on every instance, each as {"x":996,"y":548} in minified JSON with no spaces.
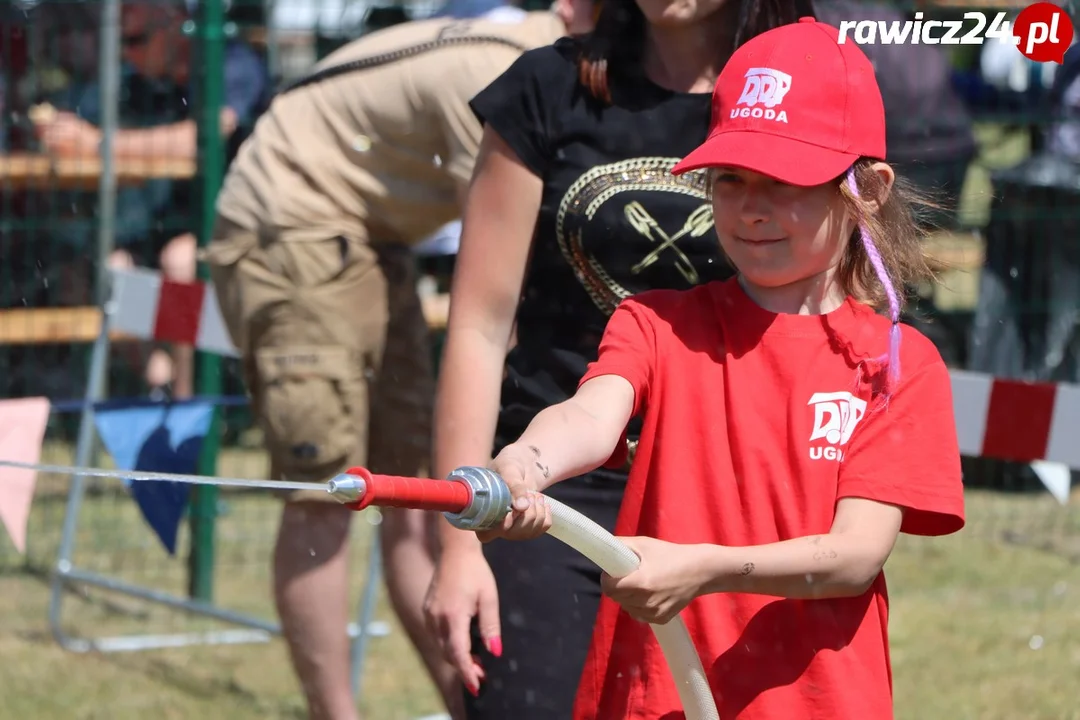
{"x":578,"y":143}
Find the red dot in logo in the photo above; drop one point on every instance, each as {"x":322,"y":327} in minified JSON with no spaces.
{"x":1043,"y":32}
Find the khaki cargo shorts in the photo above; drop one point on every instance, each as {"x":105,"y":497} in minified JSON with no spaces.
{"x":336,"y":351}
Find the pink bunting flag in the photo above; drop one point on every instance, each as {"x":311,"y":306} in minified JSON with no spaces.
{"x":22,"y":431}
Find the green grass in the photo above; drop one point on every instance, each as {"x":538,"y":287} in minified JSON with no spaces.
{"x":968,"y":613}
{"x":40,"y":680}
{"x":984,"y":626}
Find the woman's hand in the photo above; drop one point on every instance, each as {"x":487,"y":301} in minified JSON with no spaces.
{"x":464,"y":587}
{"x":669,"y":577}
{"x":520,"y":468}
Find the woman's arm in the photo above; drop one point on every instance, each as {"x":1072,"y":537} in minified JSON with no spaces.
{"x":842,"y":563}
{"x":500,"y":213}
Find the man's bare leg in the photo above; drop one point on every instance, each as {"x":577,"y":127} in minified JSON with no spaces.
{"x":409,"y":564}
{"x":179,"y":263}
{"x":311,"y":590}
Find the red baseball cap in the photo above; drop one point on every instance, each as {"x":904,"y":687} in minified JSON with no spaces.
{"x":796,"y":105}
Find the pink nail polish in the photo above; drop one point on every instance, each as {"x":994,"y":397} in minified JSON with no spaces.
{"x":495,"y":646}
{"x":473,"y":689}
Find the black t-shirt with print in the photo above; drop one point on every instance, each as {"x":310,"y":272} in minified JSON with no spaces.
{"x":613,"y":220}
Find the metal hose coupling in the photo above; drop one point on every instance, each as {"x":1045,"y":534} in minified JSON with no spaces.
{"x":491,"y":500}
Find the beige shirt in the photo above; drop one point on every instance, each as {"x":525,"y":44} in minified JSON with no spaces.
{"x":382,"y":148}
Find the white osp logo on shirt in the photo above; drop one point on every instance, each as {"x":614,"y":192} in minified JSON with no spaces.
{"x":835,"y":416}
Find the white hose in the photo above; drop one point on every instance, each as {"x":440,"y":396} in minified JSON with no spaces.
{"x":617,"y":560}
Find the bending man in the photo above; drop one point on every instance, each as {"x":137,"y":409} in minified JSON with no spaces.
{"x":312,"y":264}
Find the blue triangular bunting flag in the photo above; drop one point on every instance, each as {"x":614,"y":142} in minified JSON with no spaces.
{"x":157,"y":438}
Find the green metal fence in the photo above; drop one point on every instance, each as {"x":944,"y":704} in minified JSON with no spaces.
{"x":113,"y":587}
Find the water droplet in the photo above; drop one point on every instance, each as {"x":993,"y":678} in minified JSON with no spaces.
{"x":1036,"y":642}
{"x":361,"y":143}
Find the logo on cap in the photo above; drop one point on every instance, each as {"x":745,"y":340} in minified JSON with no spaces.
{"x":766,"y":88}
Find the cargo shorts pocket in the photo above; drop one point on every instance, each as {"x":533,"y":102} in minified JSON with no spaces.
{"x":312,"y":404}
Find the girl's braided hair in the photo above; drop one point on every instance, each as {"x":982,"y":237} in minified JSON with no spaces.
{"x":885,"y":257}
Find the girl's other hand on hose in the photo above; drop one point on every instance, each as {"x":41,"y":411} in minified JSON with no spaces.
{"x":530,"y":516}
{"x":464,"y":587}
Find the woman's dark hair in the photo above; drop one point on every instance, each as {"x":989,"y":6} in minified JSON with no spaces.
{"x":618,"y":40}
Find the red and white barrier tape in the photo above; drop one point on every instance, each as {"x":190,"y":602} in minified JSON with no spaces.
{"x":148,"y":306}
{"x":1013,"y":420}
{"x":997,"y":418}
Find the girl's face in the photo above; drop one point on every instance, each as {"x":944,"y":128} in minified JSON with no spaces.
{"x":779,"y":235}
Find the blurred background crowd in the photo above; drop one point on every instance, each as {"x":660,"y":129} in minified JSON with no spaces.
{"x":994,"y":134}
{"x":994,"y":137}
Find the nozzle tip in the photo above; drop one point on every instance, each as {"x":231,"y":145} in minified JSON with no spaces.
{"x":346,"y":488}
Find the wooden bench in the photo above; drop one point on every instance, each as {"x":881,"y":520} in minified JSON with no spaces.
{"x":52,"y":326}
{"x":33,"y":171}
{"x":957,"y":256}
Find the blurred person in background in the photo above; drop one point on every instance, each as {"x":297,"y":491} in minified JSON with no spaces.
{"x":930,"y":133}
{"x":573,"y":202}
{"x":468,"y":8}
{"x":160,"y":92}
{"x":312,"y":261}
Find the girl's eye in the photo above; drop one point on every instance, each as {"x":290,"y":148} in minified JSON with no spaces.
{"x":727,"y":178}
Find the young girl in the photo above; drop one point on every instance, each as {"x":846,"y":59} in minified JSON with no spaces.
{"x":572,"y":199}
{"x":789,"y":432}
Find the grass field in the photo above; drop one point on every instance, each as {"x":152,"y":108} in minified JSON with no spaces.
{"x":984,"y":626}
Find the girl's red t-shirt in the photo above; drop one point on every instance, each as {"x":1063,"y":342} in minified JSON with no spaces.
{"x":754,"y":425}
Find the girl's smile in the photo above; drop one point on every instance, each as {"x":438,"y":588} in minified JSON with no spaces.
{"x":760,"y":242}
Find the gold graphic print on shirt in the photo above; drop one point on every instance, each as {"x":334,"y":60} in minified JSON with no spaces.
{"x":605,"y":183}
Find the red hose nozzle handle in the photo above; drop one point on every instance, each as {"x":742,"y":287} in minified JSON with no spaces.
{"x":359,"y":488}
{"x":471,"y":498}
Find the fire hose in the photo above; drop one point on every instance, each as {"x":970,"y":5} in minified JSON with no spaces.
{"x":471,"y":498}
{"x":476,"y":498}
